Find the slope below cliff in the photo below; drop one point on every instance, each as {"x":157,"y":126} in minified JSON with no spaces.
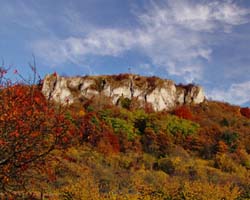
{"x":160,"y":93}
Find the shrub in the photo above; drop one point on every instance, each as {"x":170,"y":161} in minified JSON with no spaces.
{"x":230,"y":139}
{"x":176,"y":125}
{"x":156,"y":144}
{"x":183,"y":112}
{"x":224,"y":122}
{"x":225,"y":163}
{"x":201,"y":190}
{"x":166,"y":165}
{"x":122,"y":126}
{"x":125,"y":102}
{"x":140,"y":120}
{"x":245,"y":112}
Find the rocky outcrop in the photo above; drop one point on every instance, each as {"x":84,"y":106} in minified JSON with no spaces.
{"x":161,"y":94}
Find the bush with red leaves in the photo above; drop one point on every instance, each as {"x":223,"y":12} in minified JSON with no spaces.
{"x":183,"y":112}
{"x":245,"y":112}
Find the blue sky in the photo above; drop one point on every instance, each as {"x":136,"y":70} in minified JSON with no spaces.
{"x":202,"y":41}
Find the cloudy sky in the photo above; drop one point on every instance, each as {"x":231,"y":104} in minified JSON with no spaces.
{"x":201,"y":41}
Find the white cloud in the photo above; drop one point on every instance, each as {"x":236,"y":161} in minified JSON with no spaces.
{"x":196,"y":16}
{"x":102,"y":42}
{"x":172,"y":34}
{"x":206,"y":16}
{"x":178,"y":31}
{"x":237,"y":93}
{"x":107,"y":42}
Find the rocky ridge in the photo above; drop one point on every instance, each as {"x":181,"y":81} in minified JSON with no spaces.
{"x":162,"y":94}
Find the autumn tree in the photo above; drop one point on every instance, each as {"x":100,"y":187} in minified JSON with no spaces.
{"x":30,"y":128}
{"x":99,"y":134}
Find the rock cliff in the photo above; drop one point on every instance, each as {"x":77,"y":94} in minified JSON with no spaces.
{"x":161,"y":94}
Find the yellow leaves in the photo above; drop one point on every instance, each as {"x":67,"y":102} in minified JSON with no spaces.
{"x":84,"y":186}
{"x":176,"y":160}
{"x":225,"y":163}
{"x":209,"y":191}
{"x":81,"y":113}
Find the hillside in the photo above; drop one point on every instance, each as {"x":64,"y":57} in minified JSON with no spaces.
{"x":95,"y":149}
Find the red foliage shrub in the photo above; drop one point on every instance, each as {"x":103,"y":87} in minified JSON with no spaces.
{"x":108,"y":142}
{"x":98,"y":134}
{"x":245,"y":112}
{"x":157,"y":144}
{"x":183,"y":112}
{"x":205,"y":142}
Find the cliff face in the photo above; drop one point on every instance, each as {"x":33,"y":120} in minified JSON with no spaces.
{"x":162,"y":94}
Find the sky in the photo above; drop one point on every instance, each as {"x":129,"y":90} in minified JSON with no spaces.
{"x":206,"y":42}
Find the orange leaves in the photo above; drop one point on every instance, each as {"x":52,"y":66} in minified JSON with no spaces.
{"x":35,"y":134}
{"x":222,"y":147}
{"x":81,"y":113}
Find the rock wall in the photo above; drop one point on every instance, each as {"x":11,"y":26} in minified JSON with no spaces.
{"x":162,"y":94}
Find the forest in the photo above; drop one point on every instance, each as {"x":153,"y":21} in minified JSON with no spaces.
{"x":96,"y":150}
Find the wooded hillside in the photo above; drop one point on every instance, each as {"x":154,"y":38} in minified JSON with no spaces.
{"x":95,"y":150}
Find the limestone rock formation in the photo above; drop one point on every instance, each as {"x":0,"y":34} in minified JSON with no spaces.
{"x":161,"y":94}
